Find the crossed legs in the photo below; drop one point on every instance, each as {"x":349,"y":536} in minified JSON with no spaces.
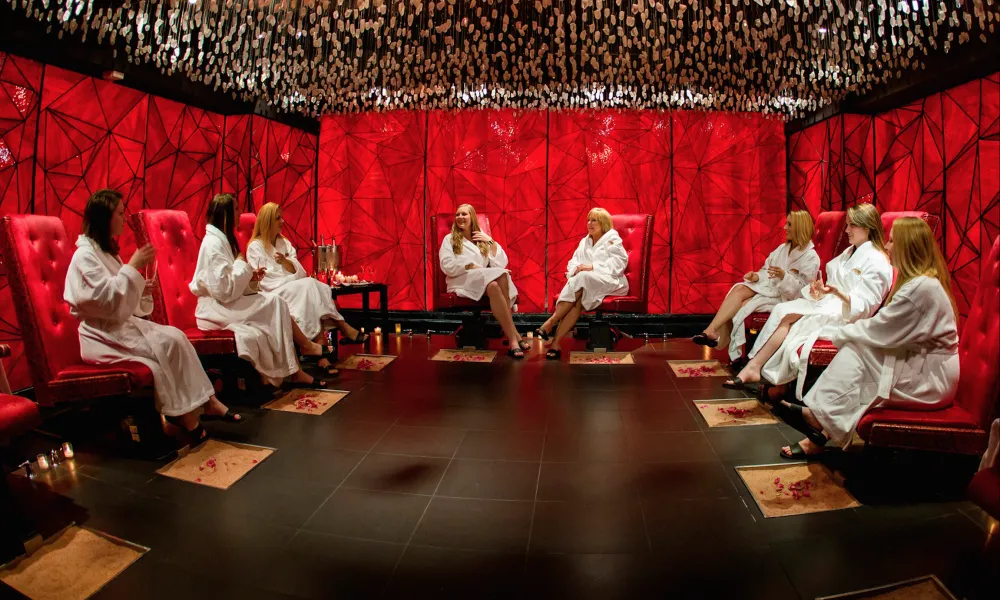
{"x":566,"y":315}
{"x":498,"y":292}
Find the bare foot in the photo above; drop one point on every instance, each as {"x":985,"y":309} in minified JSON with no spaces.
{"x":749,"y":374}
{"x":808,"y":447}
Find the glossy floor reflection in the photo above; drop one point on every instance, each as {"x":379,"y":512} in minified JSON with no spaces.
{"x":509,"y":480}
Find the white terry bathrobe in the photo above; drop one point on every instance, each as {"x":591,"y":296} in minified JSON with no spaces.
{"x":863,"y":274}
{"x":800,"y":266}
{"x":108,"y":298}
{"x":472,"y":283}
{"x":309,"y":300}
{"x":609,"y":259}
{"x":905,"y":357}
{"x":261,"y":322}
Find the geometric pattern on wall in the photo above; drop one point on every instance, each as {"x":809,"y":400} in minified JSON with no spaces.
{"x":729,"y":207}
{"x":234,"y":169}
{"x":286,"y":176}
{"x":858,"y":158}
{"x":835,"y":139}
{"x":91,"y":135}
{"x":182,"y":166}
{"x":20,"y":95}
{"x":371,"y":199}
{"x":809,"y":169}
{"x":617,"y":160}
{"x":495,"y":161}
{"x":972,"y":176}
{"x":909,"y":157}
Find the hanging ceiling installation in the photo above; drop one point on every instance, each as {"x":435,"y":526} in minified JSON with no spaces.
{"x":322,"y":56}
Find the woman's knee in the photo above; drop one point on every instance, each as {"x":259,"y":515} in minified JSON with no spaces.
{"x":493,"y":286}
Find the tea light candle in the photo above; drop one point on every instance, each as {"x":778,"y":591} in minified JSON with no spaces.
{"x":67,"y":449}
{"x":43,"y":462}
{"x":378,"y":331}
{"x":531,"y":334}
{"x":399,"y":328}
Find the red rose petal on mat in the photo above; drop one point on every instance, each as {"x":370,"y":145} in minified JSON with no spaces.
{"x":198,"y":479}
{"x":254,"y":461}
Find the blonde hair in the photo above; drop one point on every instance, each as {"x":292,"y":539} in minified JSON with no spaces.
{"x":266,"y":227}
{"x":866,"y":216}
{"x":915,"y":253}
{"x":456,"y":234}
{"x":603,"y":217}
{"x":800,"y":228}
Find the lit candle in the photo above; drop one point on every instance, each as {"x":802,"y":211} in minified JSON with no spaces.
{"x":67,"y":449}
{"x":378,"y":331}
{"x":531,"y":334}
{"x":43,"y":462}
{"x":399,"y":328}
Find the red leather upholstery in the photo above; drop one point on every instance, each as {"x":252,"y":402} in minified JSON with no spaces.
{"x":441,"y":299}
{"x":890,"y":217}
{"x":244,"y":230}
{"x":17,"y":416}
{"x":962,"y":427}
{"x":37,"y":253}
{"x":984,"y":490}
{"x":170,"y":232}
{"x":637,"y":239}
{"x":830,"y":235}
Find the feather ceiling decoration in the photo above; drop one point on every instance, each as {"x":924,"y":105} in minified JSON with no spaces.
{"x":315,"y":57}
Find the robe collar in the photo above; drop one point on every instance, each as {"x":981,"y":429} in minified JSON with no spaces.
{"x":212,"y":230}
{"x":112,"y":262}
{"x":607,"y":238}
{"x":796,"y":252}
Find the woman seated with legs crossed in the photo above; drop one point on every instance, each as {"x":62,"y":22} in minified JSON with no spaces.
{"x":109,"y":298}
{"x":309,"y":300}
{"x":474,"y":264}
{"x":596,"y":271}
{"x":859,"y":279}
{"x":904,"y":357}
{"x":787,"y":269}
{"x":266,"y":334}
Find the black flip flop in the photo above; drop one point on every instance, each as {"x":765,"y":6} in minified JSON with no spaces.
{"x":737,"y":384}
{"x":703,"y":340}
{"x":317,"y":384}
{"x":229,"y":417}
{"x":553,"y":354}
{"x":360,"y":339}
{"x":193,"y":437}
{"x":524,"y":346}
{"x":541,"y":333}
{"x":513,"y":353}
{"x":792,"y":414}
{"x":796,"y":452}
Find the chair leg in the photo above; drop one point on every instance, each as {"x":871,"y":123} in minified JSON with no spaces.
{"x":472,"y":333}
{"x":601,"y":336}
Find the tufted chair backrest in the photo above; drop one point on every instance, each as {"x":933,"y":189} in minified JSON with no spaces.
{"x":244,"y":230}
{"x":170,"y":233}
{"x":37,"y":253}
{"x":636,"y":232}
{"x":979,"y":346}
{"x":889,"y":218}
{"x":441,"y":226}
{"x":829,"y":235}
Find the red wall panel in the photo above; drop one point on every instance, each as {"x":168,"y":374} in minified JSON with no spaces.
{"x":809,"y":168}
{"x":729,"y":203}
{"x":858,"y":158}
{"x":495,"y":161}
{"x":909,"y":156}
{"x":371,"y":198}
{"x":617,"y":160}
{"x":234,"y":169}
{"x":286,"y":161}
{"x":20,"y":95}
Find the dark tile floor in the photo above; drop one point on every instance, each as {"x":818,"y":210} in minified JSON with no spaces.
{"x":509,"y":480}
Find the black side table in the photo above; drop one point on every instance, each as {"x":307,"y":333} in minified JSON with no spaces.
{"x":366,"y":290}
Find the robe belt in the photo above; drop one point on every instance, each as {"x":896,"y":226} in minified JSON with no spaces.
{"x":889,"y":374}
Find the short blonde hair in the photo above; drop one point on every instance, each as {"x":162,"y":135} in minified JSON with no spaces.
{"x":266,"y":227}
{"x":800,"y":228}
{"x":603,"y":217}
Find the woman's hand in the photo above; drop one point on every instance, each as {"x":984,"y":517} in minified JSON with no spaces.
{"x":829,"y":289}
{"x":258,"y":274}
{"x":479,"y":236}
{"x":775,"y":272}
{"x":582,"y":268}
{"x":471,"y":266}
{"x":142,"y":257}
{"x":816,"y":289}
{"x":284,"y":262}
{"x":752,"y":277}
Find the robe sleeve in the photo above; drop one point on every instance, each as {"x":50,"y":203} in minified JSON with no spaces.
{"x":450,"y":264}
{"x":791,"y":285}
{"x":96,"y":293}
{"x":615,"y":260}
{"x":896,"y":325}
{"x":866,"y":297}
{"x":577,"y":259}
{"x":501,"y":260}
{"x":225,"y":281}
{"x":256,"y":256}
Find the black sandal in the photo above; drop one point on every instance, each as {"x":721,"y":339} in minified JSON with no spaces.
{"x":541,"y":333}
{"x":793,"y":415}
{"x":516,"y":353}
{"x":737,"y":384}
{"x":361,"y":338}
{"x":703,"y":340}
{"x":331,"y":371}
{"x":524,"y":346}
{"x":795,"y":452}
{"x":229,"y":417}
{"x":317,"y":384}
{"x":194,"y":437}
{"x":553,"y":354}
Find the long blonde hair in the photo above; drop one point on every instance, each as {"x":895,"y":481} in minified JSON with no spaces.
{"x":266,"y":226}
{"x":916,"y":253}
{"x":800,"y":228}
{"x":866,"y":215}
{"x":456,"y":234}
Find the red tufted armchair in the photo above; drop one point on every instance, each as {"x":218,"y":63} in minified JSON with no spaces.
{"x":170,"y":232}
{"x":964,"y":426}
{"x":37,"y":253}
{"x":470,"y":334}
{"x":244,"y":230}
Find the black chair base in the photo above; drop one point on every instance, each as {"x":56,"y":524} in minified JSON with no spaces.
{"x":472,"y":332}
{"x":601,"y":335}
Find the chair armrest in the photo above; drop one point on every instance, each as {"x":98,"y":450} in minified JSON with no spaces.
{"x":4,"y":350}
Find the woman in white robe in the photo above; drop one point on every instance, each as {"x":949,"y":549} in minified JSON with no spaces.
{"x":223,"y":282}
{"x":596,"y":271}
{"x":905,"y":357}
{"x":787,"y":269}
{"x":860,"y":279}
{"x":474,"y":265}
{"x":109,"y":297}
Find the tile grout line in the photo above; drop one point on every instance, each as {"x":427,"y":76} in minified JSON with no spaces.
{"x":534,"y":503}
